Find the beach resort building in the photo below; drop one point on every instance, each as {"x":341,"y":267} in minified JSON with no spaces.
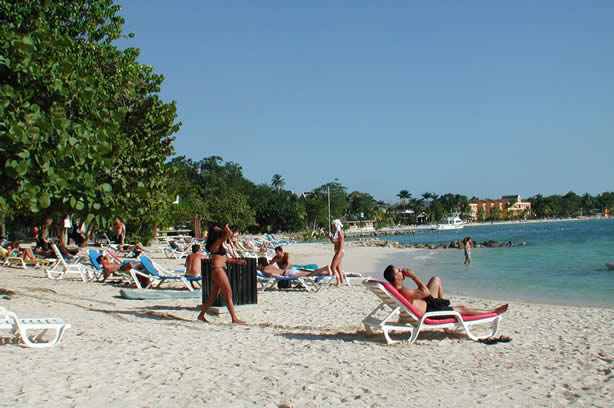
{"x":351,"y":224}
{"x":510,"y":206}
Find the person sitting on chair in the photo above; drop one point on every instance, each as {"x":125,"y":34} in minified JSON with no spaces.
{"x":428,"y":298}
{"x":110,"y":268}
{"x":281,"y":258}
{"x":14,"y":249}
{"x":193,"y":264}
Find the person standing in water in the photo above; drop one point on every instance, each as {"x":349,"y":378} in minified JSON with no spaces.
{"x":468,"y":244}
{"x":219,"y":280}
{"x":338,"y":240}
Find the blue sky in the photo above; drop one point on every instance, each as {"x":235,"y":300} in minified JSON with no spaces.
{"x":477,"y":98}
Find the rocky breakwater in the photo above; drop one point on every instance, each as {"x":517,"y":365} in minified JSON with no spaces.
{"x":376,"y":242}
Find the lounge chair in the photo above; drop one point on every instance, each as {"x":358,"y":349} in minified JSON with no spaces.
{"x":19,"y":262}
{"x":62,"y":267}
{"x":131,"y":276}
{"x":276,"y":242}
{"x":411,"y":320}
{"x":309,"y":283}
{"x":173,"y":251}
{"x":164,"y":275}
{"x":21,"y":327}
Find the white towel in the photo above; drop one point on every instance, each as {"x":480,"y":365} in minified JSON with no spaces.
{"x":338,"y":226}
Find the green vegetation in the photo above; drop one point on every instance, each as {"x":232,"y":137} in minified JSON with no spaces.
{"x":570,"y":204}
{"x":82,"y":130}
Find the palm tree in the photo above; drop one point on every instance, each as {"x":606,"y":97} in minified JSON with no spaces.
{"x":404,"y":195}
{"x":278,"y":182}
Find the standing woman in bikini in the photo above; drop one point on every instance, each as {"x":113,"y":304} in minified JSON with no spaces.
{"x":337,"y":241}
{"x":215,"y":240}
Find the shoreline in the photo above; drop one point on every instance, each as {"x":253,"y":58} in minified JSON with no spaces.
{"x":413,"y":229}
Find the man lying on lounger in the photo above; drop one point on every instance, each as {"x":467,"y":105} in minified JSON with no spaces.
{"x":273,"y":271}
{"x":428,"y":298}
{"x":110,"y":268}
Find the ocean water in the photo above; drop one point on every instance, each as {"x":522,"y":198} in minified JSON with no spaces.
{"x":562,"y":263}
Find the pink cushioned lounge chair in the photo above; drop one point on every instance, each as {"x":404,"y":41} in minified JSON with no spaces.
{"x":410,"y":320}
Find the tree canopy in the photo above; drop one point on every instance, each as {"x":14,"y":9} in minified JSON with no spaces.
{"x":82,"y":129}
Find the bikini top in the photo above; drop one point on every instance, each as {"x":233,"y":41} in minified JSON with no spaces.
{"x":221,"y":251}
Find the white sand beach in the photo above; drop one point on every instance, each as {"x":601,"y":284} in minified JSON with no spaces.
{"x":298,"y":350}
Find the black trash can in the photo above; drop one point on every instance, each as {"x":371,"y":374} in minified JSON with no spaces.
{"x":243,"y":282}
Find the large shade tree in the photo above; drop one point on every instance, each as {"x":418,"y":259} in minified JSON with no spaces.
{"x":82,"y":130}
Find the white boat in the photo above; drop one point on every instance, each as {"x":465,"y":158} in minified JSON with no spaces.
{"x":452,"y":223}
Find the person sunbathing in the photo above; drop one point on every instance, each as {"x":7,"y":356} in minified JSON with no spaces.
{"x":253,"y":248}
{"x":273,"y":271}
{"x":109,"y":267}
{"x":428,"y":298}
{"x":14,"y":249}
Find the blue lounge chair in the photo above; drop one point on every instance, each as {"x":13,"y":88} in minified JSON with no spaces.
{"x":276,"y":242}
{"x":164,"y":275}
{"x":132,"y":276}
{"x":309,"y":283}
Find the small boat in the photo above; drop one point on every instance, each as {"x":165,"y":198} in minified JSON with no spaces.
{"x":452,"y":223}
{"x":610,"y":265}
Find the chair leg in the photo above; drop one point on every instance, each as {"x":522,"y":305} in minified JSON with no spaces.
{"x":39,"y":344}
{"x":494,"y":328}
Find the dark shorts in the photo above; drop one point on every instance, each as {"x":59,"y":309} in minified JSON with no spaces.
{"x":42,"y":244}
{"x":118,"y":240}
{"x":437,"y":305}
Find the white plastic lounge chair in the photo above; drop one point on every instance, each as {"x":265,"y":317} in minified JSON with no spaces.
{"x":410,"y":320}
{"x":21,"y":327}
{"x":309,"y":283}
{"x":63,"y":268}
{"x":157,"y":272}
{"x":173,"y":251}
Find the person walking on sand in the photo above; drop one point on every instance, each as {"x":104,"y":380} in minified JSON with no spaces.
{"x":215,"y":246}
{"x":337,"y":240}
{"x":468,"y":243}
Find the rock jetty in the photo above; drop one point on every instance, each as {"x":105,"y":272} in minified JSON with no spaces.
{"x":376,"y":242}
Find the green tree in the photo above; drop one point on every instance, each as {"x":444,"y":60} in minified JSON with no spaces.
{"x":316,"y":206}
{"x":496,"y":213}
{"x":215,"y":190}
{"x":404,"y":197}
{"x":277,"y":182}
{"x":361,"y":203}
{"x":82,"y":130}
{"x":481,"y":213}
{"x":437,"y":210}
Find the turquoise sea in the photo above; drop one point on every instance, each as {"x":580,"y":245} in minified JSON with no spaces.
{"x":562,"y":263}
